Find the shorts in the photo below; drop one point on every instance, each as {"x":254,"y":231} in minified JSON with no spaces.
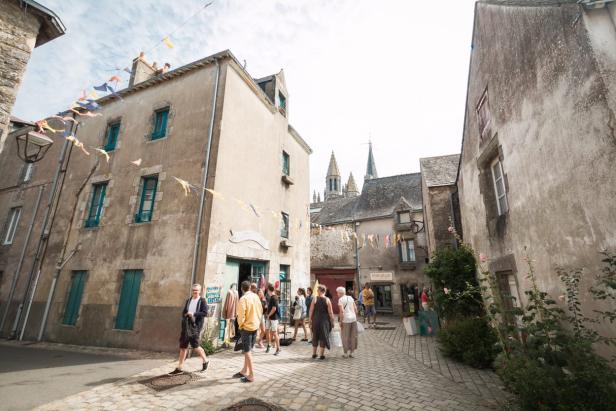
{"x":369,"y":310}
{"x":248,"y":340}
{"x":185,"y":341}
{"x":272,"y":325}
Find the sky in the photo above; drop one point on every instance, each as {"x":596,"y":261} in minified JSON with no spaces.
{"x":392,"y":72}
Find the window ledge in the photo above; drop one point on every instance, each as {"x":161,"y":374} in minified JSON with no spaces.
{"x":94,"y":228}
{"x":133,"y":223}
{"x":285,"y":243}
{"x":287,"y":180}
{"x":409,"y":265}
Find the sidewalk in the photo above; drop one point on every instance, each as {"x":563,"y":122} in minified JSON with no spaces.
{"x":382,"y":376}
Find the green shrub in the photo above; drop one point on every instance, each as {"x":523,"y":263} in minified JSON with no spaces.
{"x":208,"y":346}
{"x":456,"y":271}
{"x":469,"y":340}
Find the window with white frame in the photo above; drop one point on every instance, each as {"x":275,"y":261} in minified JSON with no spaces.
{"x":407,"y":251}
{"x":498,"y":178}
{"x":11,"y":225}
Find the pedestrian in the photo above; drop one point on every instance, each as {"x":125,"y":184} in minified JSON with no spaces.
{"x":369,"y":308}
{"x":424,"y":299}
{"x":195,"y":310}
{"x":299,"y":314}
{"x":273,"y":316}
{"x":321,"y":322}
{"x":309,"y":298}
{"x":262,"y":331}
{"x":253,"y":287}
{"x":348,"y":322}
{"x":249,"y":314}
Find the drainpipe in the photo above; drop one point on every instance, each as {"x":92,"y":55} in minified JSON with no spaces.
{"x":21,"y":257}
{"x":204,"y":179}
{"x":357,"y":264}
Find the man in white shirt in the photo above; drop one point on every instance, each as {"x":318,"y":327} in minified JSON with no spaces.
{"x":195,"y":310}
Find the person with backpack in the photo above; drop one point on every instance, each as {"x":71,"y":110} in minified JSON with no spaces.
{"x":299,"y":313}
{"x":195,"y":310}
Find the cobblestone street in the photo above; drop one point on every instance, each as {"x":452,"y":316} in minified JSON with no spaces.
{"x":384,"y":375}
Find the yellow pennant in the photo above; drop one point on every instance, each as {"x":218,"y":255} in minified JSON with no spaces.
{"x":168,"y":42}
{"x":103,"y":152}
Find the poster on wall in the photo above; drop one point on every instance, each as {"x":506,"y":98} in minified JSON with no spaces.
{"x":212,"y":294}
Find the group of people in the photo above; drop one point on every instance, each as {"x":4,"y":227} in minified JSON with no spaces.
{"x":258,"y":316}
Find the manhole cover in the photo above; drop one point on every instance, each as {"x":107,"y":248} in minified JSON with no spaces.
{"x":253,"y":404}
{"x":165,"y":382}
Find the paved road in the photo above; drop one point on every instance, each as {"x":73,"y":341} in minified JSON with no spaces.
{"x":31,"y":376}
{"x":380,"y":377}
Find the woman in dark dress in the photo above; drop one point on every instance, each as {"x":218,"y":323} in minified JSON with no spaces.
{"x":321,"y":322}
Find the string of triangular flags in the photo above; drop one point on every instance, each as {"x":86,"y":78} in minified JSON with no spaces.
{"x":386,"y":240}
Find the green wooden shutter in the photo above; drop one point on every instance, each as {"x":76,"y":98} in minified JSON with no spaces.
{"x":160,"y":124}
{"x":112,"y":137}
{"x":129,"y":297}
{"x":73,"y":302}
{"x":163,"y":126}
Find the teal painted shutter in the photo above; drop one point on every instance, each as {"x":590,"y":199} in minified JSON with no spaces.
{"x":112,"y":137}
{"x":146,"y":203}
{"x":163,"y":126}
{"x":73,"y":303}
{"x":96,"y":205}
{"x":160,"y":124}
{"x":129,"y":297}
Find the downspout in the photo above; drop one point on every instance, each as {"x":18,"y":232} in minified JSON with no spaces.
{"x":21,"y":258}
{"x":204,"y":179}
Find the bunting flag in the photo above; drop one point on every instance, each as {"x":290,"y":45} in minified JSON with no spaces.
{"x":185,"y":185}
{"x":77,"y":143}
{"x":316,"y":286}
{"x":90,"y":105}
{"x":254,"y":210}
{"x":102,"y":87}
{"x":168,"y":42}
{"x":85,"y":113}
{"x":136,"y":162}
{"x":129,"y":71}
{"x":82,"y":96}
{"x":115,"y":78}
{"x":386,"y":241}
{"x":43,"y":125}
{"x":215,"y":194}
{"x":93,"y":94}
{"x":103,"y":152}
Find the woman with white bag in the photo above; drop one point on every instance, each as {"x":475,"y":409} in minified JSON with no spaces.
{"x":348,"y":322}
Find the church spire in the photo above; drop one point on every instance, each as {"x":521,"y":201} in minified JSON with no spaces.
{"x":333,"y":187}
{"x":371,"y":166}
{"x":351,"y":187}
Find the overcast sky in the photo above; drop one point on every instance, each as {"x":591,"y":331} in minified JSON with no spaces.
{"x":392,"y":71}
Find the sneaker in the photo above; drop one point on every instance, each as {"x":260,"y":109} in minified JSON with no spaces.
{"x":344,"y":356}
{"x":176,"y":372}
{"x":314,"y":356}
{"x":351,"y":356}
{"x":277,"y":352}
{"x":205,"y":364}
{"x":267,"y":349}
{"x":322,"y":357}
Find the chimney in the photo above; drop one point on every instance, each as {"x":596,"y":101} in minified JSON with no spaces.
{"x":141,"y":70}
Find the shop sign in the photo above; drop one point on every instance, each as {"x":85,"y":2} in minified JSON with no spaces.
{"x":212,"y":294}
{"x":383,"y":276}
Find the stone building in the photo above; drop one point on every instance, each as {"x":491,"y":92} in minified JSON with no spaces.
{"x":140,"y":240}
{"x":441,"y":209}
{"x":539,"y":147}
{"x":24,"y":25}
{"x":377,"y":236}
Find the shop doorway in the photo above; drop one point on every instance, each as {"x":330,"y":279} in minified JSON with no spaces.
{"x":333,"y":279}
{"x":382,"y":298}
{"x":243,"y":270}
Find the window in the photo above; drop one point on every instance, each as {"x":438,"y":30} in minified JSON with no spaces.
{"x":284,"y":272}
{"x":407,"y":251}
{"x":96,"y":205}
{"x":71,"y":311}
{"x":286,"y":164}
{"x":483,"y":116}
{"x":11,"y":225}
{"x":508,"y":291}
{"x":284,"y":226}
{"x":111,"y":139}
{"x":160,"y":124}
{"x":129,"y":296}
{"x":499,"y":186}
{"x":404,"y":217}
{"x":282,"y":103}
{"x":147,"y":195}
{"x":26,"y":172}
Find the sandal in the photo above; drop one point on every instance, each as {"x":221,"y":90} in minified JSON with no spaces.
{"x":245,"y":379}
{"x":238,"y":375}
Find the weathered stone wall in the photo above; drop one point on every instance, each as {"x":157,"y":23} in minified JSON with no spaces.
{"x":437,"y":210}
{"x":18,"y":31}
{"x":330,"y":248}
{"x":550,"y":79}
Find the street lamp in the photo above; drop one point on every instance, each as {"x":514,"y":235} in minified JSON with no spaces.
{"x":31,"y":146}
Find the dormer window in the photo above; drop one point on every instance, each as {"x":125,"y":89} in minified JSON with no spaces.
{"x":404,"y":217}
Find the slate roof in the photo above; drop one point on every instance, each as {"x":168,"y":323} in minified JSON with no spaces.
{"x":379,"y":197}
{"x":439,"y":171}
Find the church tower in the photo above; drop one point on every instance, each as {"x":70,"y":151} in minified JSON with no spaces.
{"x":351,"y":187}
{"x":371,"y":166}
{"x":333,"y":188}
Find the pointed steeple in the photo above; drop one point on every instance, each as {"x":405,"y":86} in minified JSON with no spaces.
{"x":351,"y":187}
{"x":333,"y":188}
{"x":371,"y":166}
{"x":318,"y":197}
{"x":314,"y":196}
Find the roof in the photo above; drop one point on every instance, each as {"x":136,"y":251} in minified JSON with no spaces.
{"x":528,"y":3}
{"x":51,"y":25}
{"x":440,"y":170}
{"x":17,"y":120}
{"x":225,"y":54}
{"x":379,"y":198}
{"x":351,"y":186}
{"x":332,"y":170}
